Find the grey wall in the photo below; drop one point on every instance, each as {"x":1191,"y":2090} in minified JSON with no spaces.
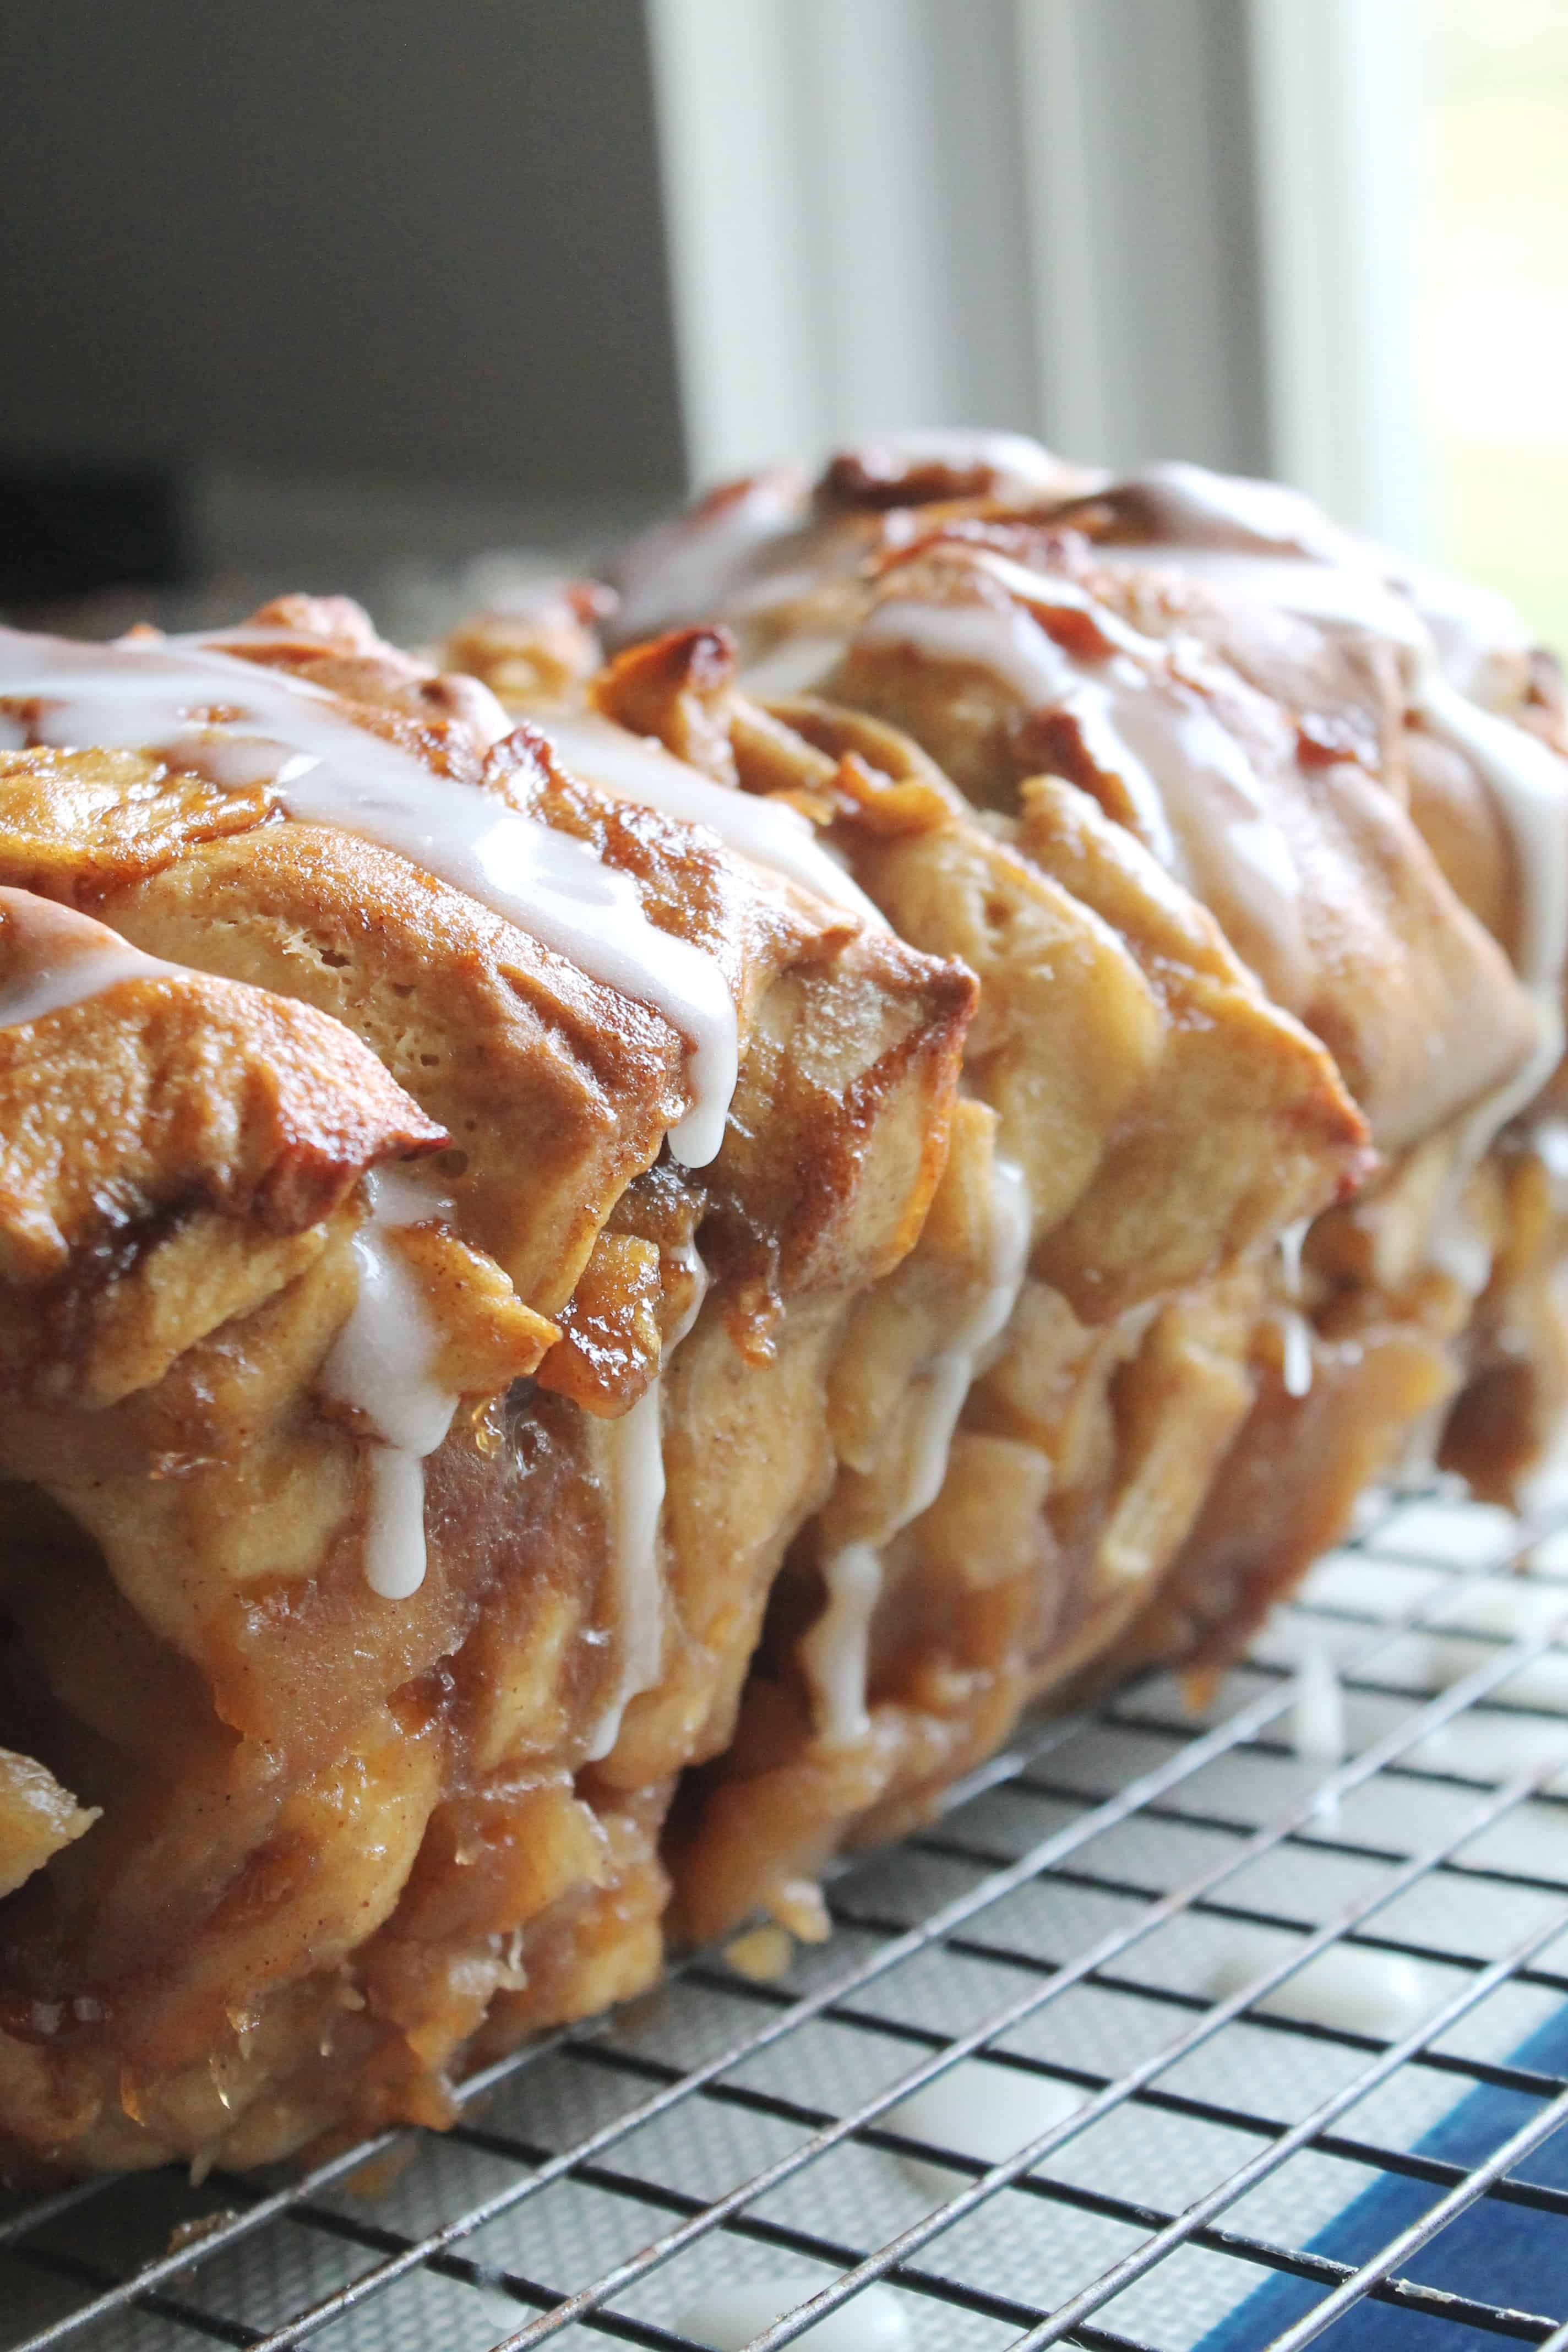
{"x":403,"y":238}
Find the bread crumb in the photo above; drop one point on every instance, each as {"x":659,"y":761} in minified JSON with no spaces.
{"x":761,"y":1954}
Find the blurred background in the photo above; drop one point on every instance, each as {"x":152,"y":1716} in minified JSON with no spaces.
{"x":349,"y":295}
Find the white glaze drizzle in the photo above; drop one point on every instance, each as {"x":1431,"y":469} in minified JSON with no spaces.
{"x":1295,"y":1330}
{"x":1528,"y":784}
{"x":797,"y":664}
{"x":1289,"y":1243}
{"x":633,"y":1481}
{"x":382,"y":1362}
{"x":1456,"y":1246}
{"x":771,"y":833}
{"x":395,"y":1555}
{"x":834,"y":1652}
{"x":1001,"y":638}
{"x":1272,"y":544}
{"x":1264,"y":539}
{"x":1480,"y":642}
{"x":1527,"y":780}
{"x":1296,"y":1356}
{"x":279,"y":731}
{"x":1550,"y":1139}
{"x":1195,"y":795}
{"x":1194,"y":506}
{"x":60,"y":958}
{"x":956,"y":1366}
{"x":688,"y":566}
{"x":1023,"y":467}
{"x":1234,"y":854}
{"x":771,"y":596}
{"x":453,"y":694}
{"x":1351,"y":598}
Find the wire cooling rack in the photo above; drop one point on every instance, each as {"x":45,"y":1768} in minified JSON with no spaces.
{"x":1167,"y":2035}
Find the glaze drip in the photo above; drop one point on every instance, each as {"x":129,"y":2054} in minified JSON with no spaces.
{"x":241,"y":726}
{"x":1188,"y":783}
{"x":382,"y":1363}
{"x":1295,"y":1330}
{"x":1292,"y":558}
{"x":768,"y":832}
{"x":633,"y":1477}
{"x":1191,"y":790}
{"x":834,"y":1653}
{"x":60,"y":958}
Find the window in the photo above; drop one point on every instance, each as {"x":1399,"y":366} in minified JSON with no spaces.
{"x":1326,"y":239}
{"x":1492,"y":297}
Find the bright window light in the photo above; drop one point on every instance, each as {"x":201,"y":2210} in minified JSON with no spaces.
{"x":1493,"y":297}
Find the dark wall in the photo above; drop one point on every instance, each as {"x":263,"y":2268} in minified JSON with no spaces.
{"x":384,"y":237}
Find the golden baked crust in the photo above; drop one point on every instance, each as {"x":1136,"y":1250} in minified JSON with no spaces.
{"x":334,"y":1837}
{"x":1139,"y":1132}
{"x":1040,"y":749}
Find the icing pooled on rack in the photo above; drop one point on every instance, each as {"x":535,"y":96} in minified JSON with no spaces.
{"x":768,"y":832}
{"x":1345,"y":1988}
{"x":727,"y":2318}
{"x":241,"y":726}
{"x":57,"y":956}
{"x":382,"y":1363}
{"x":982,"y":2110}
{"x":834,"y":1652}
{"x":1494,"y":1745}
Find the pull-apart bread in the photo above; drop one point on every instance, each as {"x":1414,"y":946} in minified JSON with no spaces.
{"x":1259,"y":851}
{"x":605,"y":1268}
{"x":435,"y":1192}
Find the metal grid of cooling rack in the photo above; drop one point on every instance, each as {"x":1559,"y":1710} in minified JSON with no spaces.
{"x":1192,"y":1997}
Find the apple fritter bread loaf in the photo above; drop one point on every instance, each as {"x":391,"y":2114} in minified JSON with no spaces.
{"x":1231,"y":821}
{"x":605,"y":1269}
{"x":416,"y":1362}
